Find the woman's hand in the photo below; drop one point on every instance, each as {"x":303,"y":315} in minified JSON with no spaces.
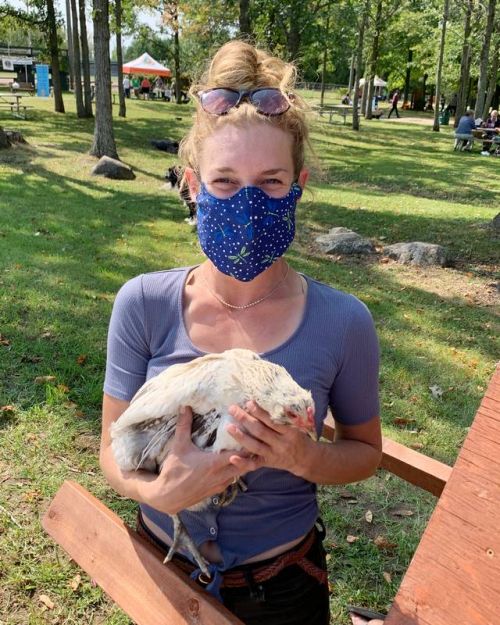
{"x":271,"y":444}
{"x":190,"y":475}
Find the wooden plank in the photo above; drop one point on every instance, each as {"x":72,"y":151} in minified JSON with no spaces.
{"x":126,"y":566}
{"x":408,"y":464}
{"x":454,"y":576}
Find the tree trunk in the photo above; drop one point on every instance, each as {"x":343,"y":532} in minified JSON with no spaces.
{"x":119,"y":57}
{"x":87,"y":94}
{"x":245,"y":27}
{"x":69,"y":31}
{"x":373,"y":59}
{"x":325,"y":53}
{"x":406,"y":93}
{"x":364,"y":92}
{"x":54,"y":57}
{"x":359,"y":62}
{"x":464,"y":64}
{"x":485,"y":55}
{"x":104,"y":139}
{"x":177,"y":61}
{"x":351,"y":74}
{"x":492,"y":85}
{"x":77,"y":61}
{"x":439,"y":70}
{"x":293,"y":37}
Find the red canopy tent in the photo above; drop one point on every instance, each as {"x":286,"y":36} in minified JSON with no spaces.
{"x":145,"y":64}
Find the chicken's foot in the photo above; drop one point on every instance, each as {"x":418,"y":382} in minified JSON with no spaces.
{"x":229,"y":495}
{"x":183,"y":539}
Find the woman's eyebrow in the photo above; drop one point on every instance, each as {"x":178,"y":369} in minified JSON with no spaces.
{"x":268,"y":172}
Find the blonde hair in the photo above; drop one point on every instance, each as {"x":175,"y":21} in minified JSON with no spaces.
{"x":239,"y":65}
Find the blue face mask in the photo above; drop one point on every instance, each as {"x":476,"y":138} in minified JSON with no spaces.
{"x":243,"y":235}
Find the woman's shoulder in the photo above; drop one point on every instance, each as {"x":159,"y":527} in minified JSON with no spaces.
{"x":154,"y":285}
{"x":333,"y":298}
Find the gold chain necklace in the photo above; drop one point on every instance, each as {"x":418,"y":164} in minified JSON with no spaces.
{"x":250,"y":304}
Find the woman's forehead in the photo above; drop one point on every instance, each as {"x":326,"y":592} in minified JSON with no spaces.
{"x":258,"y":147}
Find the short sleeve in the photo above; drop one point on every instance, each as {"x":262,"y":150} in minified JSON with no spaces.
{"x":128,"y":349}
{"x":354,"y":395}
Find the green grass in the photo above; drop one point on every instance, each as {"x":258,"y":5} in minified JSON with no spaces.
{"x":67,"y":243}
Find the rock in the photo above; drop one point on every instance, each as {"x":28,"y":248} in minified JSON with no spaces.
{"x":417,"y":253}
{"x":344,"y":241}
{"x":495,"y":223}
{"x":111,"y":168}
{"x":15,"y":136}
{"x":4,"y":139}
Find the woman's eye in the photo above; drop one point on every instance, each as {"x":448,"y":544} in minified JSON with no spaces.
{"x":272,"y":181}
{"x":223,"y":181}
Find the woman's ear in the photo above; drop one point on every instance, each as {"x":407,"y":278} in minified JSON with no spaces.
{"x":303,"y":177}
{"x":192,"y":182}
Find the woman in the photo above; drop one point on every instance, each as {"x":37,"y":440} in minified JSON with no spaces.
{"x":244,"y":158}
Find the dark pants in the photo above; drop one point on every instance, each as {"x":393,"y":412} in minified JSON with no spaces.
{"x":394,"y":109}
{"x":292,"y":597}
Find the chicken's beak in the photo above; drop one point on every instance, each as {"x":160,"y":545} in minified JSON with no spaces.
{"x":306,"y":423}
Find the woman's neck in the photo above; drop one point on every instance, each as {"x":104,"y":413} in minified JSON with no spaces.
{"x":241,"y":294}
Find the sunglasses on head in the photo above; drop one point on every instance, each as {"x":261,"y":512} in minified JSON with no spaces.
{"x":267,"y":100}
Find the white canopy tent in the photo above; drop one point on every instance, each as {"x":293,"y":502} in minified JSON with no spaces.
{"x":145,"y":64}
{"x":378,"y":82}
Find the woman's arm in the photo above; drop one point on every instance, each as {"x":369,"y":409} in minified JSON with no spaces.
{"x":188,"y":475}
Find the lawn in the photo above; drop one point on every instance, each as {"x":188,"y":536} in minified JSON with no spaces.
{"x":67,"y":243}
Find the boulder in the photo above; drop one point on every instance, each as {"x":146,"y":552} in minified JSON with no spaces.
{"x":417,"y":253}
{"x":4,"y":139}
{"x":111,"y":168}
{"x":344,"y":241}
{"x":15,"y":136}
{"x":495,"y":223}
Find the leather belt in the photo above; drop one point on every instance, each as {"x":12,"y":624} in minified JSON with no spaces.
{"x":238,"y":576}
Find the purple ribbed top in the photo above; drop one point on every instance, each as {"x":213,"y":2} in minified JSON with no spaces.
{"x":333,"y":352}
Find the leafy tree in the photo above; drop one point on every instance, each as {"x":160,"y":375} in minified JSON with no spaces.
{"x":42,"y":16}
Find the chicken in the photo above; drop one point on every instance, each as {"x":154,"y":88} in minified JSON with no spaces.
{"x":143,"y":434}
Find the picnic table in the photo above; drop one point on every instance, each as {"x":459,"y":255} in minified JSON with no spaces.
{"x":344,"y":110}
{"x":13,"y":102}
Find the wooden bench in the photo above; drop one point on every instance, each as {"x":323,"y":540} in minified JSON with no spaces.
{"x":453,"y":576}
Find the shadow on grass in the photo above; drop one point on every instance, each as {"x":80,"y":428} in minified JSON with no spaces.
{"x":415,"y":162}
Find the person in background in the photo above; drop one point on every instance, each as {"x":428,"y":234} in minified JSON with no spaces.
{"x":464,"y":130}
{"x":167,"y":93}
{"x":136,"y":85}
{"x":126,"y":86}
{"x":493,"y":125}
{"x":145,"y":87}
{"x":159,"y":86}
{"x":452,"y":104}
{"x":394,"y":103}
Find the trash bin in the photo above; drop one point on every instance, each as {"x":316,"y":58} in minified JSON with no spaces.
{"x":444,"y":118}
